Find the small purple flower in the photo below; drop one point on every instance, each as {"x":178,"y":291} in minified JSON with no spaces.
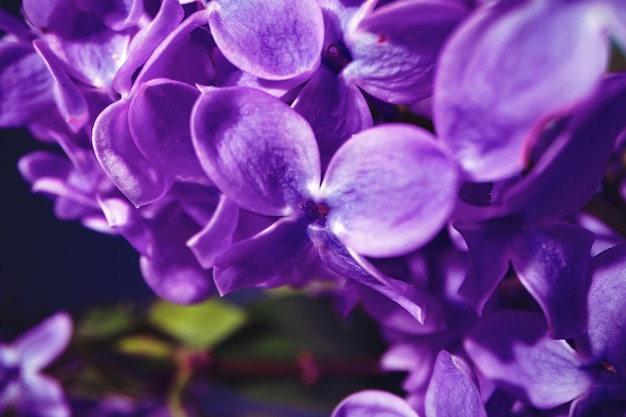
{"x":508,"y":68}
{"x":387,"y":191}
{"x":512,"y":349}
{"x":529,"y":230}
{"x":453,"y":392}
{"x":22,"y":385}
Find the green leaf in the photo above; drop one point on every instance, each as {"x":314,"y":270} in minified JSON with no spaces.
{"x":145,"y":346}
{"x":102,"y":323}
{"x":199,"y":326}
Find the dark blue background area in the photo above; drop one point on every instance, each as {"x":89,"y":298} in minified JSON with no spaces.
{"x":47,"y":264}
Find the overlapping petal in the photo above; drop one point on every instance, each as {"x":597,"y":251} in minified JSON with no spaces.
{"x":275,"y":39}
{"x":488,"y":97}
{"x":606,"y":335}
{"x":116,"y":14}
{"x":389,"y":190}
{"x":39,"y":12}
{"x":256,"y":149}
{"x":139,"y":180}
{"x":551,"y":262}
{"x":395,"y":48}
{"x":512,"y":349}
{"x":334,"y":109}
{"x":26,"y":87}
{"x":217,"y":235}
{"x":373,"y":403}
{"x":490,"y":253}
{"x":253,"y":262}
{"x":158,"y":119}
{"x":169,"y":267}
{"x":453,"y":389}
{"x":92,"y":53}
{"x":571,"y":170}
{"x":145,"y":41}
{"x":335,"y":256}
{"x":189,"y":40}
{"x":70,"y":101}
{"x":14,"y":26}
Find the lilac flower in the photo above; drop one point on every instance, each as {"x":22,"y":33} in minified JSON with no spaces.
{"x":414,"y":347}
{"x":347,"y":47}
{"x":26,"y":85}
{"x":488,"y":97}
{"x":22,"y":385}
{"x":74,"y":181}
{"x":161,"y":233}
{"x":512,"y":348}
{"x":452,"y":392}
{"x":548,"y":255}
{"x":272,"y":168}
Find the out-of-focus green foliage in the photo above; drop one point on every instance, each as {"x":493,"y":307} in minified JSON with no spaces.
{"x":146,"y":346}
{"x":103,"y":323}
{"x":199,"y":326}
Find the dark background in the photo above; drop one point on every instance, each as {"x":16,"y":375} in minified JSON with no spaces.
{"x":47,"y":264}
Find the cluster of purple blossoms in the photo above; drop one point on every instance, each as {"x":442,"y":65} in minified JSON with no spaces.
{"x":445,"y":164}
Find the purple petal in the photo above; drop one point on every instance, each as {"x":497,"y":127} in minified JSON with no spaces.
{"x":551,"y":262}
{"x":275,"y":40}
{"x":158,"y":118}
{"x":170,"y":268}
{"x":191,"y":43}
{"x":606,"y":336}
{"x":26,"y":87}
{"x":512,"y":349}
{"x":119,"y":157}
{"x":198,"y":201}
{"x":389,"y":190}
{"x":570,"y":172}
{"x":145,"y":41}
{"x":14,"y":26}
{"x":453,"y":389}
{"x":334,"y":110}
{"x":255,"y":261}
{"x":39,"y":12}
{"x":228,"y":75}
{"x":598,"y":403}
{"x":339,"y":260}
{"x":116,"y":14}
{"x":395,"y":48}
{"x":44,"y":164}
{"x":42,"y":396}
{"x":373,"y":403}
{"x":91,"y":51}
{"x":256,"y":149}
{"x":70,"y":100}
{"x":386,"y":310}
{"x":44,"y":343}
{"x":53,"y":174}
{"x":488,"y":97}
{"x":217,"y":235}
{"x":127,"y":221}
{"x":489,"y":255}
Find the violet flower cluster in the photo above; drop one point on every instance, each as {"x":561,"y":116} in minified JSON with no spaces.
{"x":455,"y":167}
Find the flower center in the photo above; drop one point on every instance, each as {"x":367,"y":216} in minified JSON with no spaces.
{"x":336,"y":57}
{"x":316,"y":213}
